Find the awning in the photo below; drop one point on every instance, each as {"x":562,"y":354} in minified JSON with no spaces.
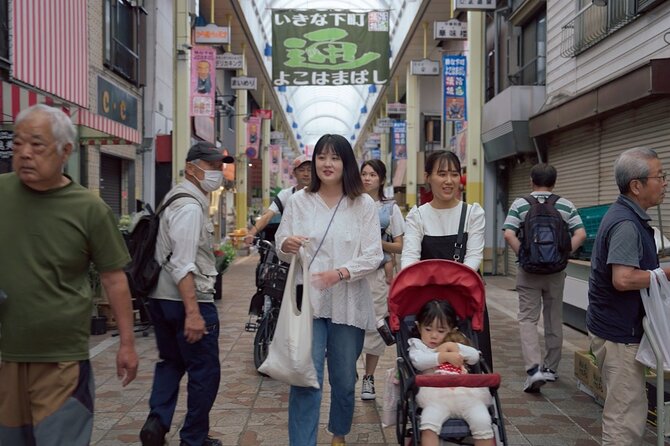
{"x":97,"y":127}
{"x":642,"y":84}
{"x":14,"y":98}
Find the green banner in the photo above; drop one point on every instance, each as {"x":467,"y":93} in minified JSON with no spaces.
{"x":315,"y":47}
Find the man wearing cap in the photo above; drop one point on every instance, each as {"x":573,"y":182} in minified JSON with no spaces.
{"x":182,"y":307}
{"x":302,"y":171}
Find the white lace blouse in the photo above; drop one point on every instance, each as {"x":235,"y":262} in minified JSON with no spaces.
{"x":352,"y":242}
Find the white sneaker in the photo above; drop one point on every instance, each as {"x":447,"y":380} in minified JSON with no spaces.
{"x":368,"y":392}
{"x":534,"y":382}
{"x":549,"y":375}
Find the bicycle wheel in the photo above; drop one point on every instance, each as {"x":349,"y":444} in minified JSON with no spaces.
{"x":264,"y":333}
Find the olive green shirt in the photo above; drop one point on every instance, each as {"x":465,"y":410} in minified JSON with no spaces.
{"x":47,"y":241}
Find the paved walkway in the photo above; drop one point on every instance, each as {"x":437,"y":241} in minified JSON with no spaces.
{"x":252,"y":410}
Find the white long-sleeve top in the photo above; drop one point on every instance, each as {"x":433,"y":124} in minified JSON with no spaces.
{"x":425,"y":358}
{"x":426,"y":220}
{"x":352,"y":242}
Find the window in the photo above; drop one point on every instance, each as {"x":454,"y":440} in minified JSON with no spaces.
{"x":594,"y":22}
{"x":4,"y":33}
{"x":124,"y":39}
{"x":532,"y":52}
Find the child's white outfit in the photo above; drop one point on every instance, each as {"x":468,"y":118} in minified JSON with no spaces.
{"x":440,"y":404}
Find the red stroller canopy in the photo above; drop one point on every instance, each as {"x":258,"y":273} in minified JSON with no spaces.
{"x":424,"y":281}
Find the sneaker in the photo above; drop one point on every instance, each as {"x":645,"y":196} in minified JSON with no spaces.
{"x":368,"y":392}
{"x":534,"y":381}
{"x":153,"y":432}
{"x":549,"y":374}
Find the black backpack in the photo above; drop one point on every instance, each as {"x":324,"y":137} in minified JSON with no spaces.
{"x":143,"y":270}
{"x":545,"y":238}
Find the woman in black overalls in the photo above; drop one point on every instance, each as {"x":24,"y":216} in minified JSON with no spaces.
{"x":446,"y":227}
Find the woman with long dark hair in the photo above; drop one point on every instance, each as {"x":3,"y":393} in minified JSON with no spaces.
{"x":373,"y":174}
{"x":337,"y":226}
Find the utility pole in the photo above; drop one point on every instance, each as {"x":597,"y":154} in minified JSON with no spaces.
{"x":181,"y":130}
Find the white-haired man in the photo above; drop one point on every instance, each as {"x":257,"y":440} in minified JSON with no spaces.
{"x":50,"y":231}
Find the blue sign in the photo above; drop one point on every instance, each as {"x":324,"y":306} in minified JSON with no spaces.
{"x":454,"y":69}
{"x":116,"y":103}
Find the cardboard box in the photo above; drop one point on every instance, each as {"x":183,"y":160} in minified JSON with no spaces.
{"x":588,"y":375}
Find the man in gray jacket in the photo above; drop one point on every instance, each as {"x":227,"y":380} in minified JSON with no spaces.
{"x":182,"y":306}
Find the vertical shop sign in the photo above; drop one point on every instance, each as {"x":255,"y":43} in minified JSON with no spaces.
{"x":203,"y":88}
{"x":253,"y":136}
{"x":454,"y":69}
{"x":311,"y":47}
{"x":275,"y":157}
{"x":399,"y":140}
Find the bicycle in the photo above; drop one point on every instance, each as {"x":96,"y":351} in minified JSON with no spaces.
{"x":270,"y":282}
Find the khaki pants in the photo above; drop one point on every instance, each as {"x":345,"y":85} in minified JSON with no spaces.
{"x":625,"y":411}
{"x":541,"y":292}
{"x":48,"y":404}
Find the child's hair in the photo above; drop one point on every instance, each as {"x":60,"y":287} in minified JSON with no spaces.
{"x":444,"y":313}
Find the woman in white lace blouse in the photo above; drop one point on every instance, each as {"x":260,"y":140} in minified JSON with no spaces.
{"x":337,"y":225}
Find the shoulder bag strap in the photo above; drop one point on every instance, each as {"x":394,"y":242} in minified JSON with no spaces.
{"x":279,"y":204}
{"x":458,"y":246}
{"x":326,"y":233}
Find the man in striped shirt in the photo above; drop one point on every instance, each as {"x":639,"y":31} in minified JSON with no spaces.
{"x":541,"y":291}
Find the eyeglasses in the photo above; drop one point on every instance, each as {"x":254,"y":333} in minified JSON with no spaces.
{"x":663,"y":177}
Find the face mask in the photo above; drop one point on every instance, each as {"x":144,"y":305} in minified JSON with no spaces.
{"x":212,"y":181}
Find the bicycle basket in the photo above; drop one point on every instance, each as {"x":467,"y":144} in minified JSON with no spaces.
{"x":274,"y":279}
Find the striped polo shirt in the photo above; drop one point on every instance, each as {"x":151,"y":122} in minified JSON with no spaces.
{"x":519,"y":209}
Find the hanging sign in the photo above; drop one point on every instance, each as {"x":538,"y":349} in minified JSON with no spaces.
{"x":243,"y":83}
{"x":326,"y":47}
{"x":379,"y":129}
{"x":396,"y":108}
{"x":212,"y":34}
{"x":203,"y":86}
{"x":229,"y":61}
{"x":253,"y":136}
{"x":424,"y":67}
{"x":399,"y":140}
{"x":385,"y":123}
{"x":474,"y":5}
{"x":275,"y":157}
{"x":454,"y":69}
{"x":450,"y":30}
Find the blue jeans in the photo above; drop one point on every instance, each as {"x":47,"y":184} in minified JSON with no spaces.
{"x":343,"y":345}
{"x":200,"y":360}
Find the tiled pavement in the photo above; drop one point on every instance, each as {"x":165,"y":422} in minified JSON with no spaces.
{"x":252,"y":410}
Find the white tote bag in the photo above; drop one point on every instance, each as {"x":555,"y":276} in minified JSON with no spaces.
{"x":656,"y":303}
{"x":290,"y":353}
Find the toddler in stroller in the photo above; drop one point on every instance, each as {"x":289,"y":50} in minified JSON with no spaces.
{"x":427,"y":302}
{"x":442,"y":350}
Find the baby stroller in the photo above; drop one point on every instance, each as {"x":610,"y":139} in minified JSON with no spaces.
{"x":463,"y":288}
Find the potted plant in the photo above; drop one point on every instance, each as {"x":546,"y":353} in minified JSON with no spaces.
{"x":224,"y":253}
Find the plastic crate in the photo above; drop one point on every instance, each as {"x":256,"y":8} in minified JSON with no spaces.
{"x":591,"y":217}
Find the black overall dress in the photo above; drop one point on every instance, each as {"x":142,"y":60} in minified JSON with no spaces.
{"x":449,"y":247}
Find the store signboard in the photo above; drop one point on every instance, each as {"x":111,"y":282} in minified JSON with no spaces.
{"x":385,"y":123}
{"x":328,"y":47}
{"x":243,"y":83}
{"x":6,"y":143}
{"x":396,"y":108}
{"x":212,"y":34}
{"x":229,"y":61}
{"x":454,"y":71}
{"x":474,"y":5}
{"x":450,"y":30}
